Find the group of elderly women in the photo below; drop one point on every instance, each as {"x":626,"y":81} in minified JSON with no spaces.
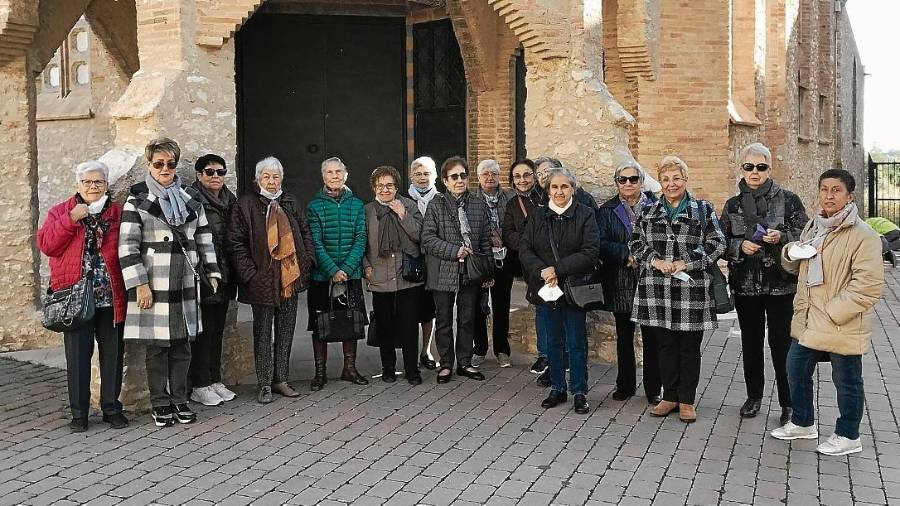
{"x":166,"y":265}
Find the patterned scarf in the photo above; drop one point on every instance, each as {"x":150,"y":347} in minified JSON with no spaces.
{"x":821,"y":227}
{"x":493,"y":201}
{"x":280,"y":241}
{"x":422,"y":196}
{"x":755,"y":206}
{"x":634,"y":211}
{"x":464,"y":227}
{"x":95,"y":227}
{"x":171,"y":200}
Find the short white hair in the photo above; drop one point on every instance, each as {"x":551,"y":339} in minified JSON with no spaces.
{"x":630,"y":164}
{"x":331,"y":160}
{"x":488,"y":165}
{"x":756,"y":148}
{"x":269,"y":163}
{"x":561,"y":171}
{"x":428,"y":164}
{"x":90,"y":166}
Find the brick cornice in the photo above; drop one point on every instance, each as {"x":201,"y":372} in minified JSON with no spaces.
{"x":18,"y":24}
{"x":542,"y":33}
{"x":220,"y":19}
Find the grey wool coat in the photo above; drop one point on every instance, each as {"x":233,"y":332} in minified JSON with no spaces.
{"x":387,"y":271}
{"x":441,"y":238}
{"x":150,"y":253}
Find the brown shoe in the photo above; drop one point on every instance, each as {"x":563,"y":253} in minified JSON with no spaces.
{"x":664,"y":408}
{"x":285,"y":390}
{"x":687,"y":413}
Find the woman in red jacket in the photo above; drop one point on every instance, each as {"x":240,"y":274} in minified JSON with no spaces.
{"x":79,"y":234}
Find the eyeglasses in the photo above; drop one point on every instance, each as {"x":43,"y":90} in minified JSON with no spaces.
{"x":159,"y":164}
{"x":421,"y":174}
{"x":628,"y":179}
{"x":489,"y":173}
{"x":526,"y":175}
{"x":760,"y":167}
{"x":457,"y":177}
{"x":388,"y":186}
{"x":213,"y":172}
{"x":87,"y":183}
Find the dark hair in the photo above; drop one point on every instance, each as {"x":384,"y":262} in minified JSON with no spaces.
{"x":384,"y":170}
{"x":451,"y":162}
{"x":162,"y":144}
{"x":523,"y":161}
{"x":205,"y":160}
{"x":843,"y":175}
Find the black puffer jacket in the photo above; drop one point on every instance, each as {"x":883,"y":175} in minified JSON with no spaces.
{"x":619,"y":280}
{"x":217,"y":215}
{"x":441,"y":238}
{"x":577,"y":241}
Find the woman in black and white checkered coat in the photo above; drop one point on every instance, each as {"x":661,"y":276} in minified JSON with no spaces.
{"x":675,"y":240}
{"x":162,"y":225}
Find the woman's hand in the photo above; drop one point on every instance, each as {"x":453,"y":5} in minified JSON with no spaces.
{"x":144,"y":296}
{"x":398,"y":208}
{"x":463,"y":252}
{"x":214,"y":283}
{"x":678,"y":266}
{"x":339,"y":277}
{"x":488,"y":284}
{"x":632,"y":262}
{"x":548,"y":274}
{"x":663,"y":266}
{"x":368,"y":272}
{"x":772,"y":236}
{"x":750,"y":247}
{"x":78,"y":213}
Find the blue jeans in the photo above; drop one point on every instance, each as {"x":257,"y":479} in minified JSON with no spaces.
{"x":565,"y":328}
{"x":542,"y":326}
{"x":846,"y":373}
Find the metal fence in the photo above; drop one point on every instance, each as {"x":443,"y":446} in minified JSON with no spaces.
{"x":884,"y":190}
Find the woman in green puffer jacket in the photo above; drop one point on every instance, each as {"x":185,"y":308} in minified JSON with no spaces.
{"x":337,"y":224}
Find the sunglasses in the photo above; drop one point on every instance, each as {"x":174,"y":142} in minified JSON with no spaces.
{"x":760,"y":167}
{"x":212,"y":172}
{"x":159,"y":164}
{"x":628,"y":179}
{"x":457,"y":177}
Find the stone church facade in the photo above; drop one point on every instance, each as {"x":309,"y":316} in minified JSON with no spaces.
{"x":592,"y":82}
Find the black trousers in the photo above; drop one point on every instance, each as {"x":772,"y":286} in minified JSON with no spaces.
{"x":168,"y":365}
{"x":501,"y":293}
{"x":206,"y":352}
{"x":79,"y":350}
{"x":284,"y":318}
{"x":755,"y":312}
{"x":397,"y":314}
{"x":679,"y":362}
{"x":626,"y":377}
{"x":466,"y":301}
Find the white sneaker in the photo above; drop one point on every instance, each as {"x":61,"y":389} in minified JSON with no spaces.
{"x":790,"y":431}
{"x":839,"y":445}
{"x":503,"y":360}
{"x":206,"y":396}
{"x":222,"y":391}
{"x":477,"y":360}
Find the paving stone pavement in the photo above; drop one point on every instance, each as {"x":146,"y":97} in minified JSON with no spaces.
{"x":464,"y":443}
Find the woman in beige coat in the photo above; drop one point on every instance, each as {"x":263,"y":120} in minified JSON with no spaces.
{"x":838,"y":261}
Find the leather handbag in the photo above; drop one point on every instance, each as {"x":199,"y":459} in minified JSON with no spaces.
{"x":718,"y":286}
{"x":372,"y":332}
{"x":340,"y":323}
{"x":69,"y":308}
{"x":585,"y":291}
{"x":413,"y":268}
{"x":477,"y":268}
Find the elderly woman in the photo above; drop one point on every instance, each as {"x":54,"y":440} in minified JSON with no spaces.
{"x":496,"y":199}
{"x":528,"y":196}
{"x":394,"y":230}
{"x":165,"y":245}
{"x":543,"y":164}
{"x":675,"y":242}
{"x":82,"y":234}
{"x":337,"y":221}
{"x":561,"y":241}
{"x":272,"y":253}
{"x":757,"y":223}
{"x":206,"y":354}
{"x":616,"y":219}
{"x":423,"y":174}
{"x":457,"y":224}
{"x":841,"y":277}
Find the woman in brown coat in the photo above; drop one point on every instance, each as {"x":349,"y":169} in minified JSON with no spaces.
{"x":840,"y":277}
{"x":272,"y":253}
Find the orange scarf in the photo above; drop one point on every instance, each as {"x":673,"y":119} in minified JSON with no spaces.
{"x":281,"y":247}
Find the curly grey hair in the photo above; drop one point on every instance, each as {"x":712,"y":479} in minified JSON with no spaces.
{"x":89,"y":166}
{"x":269,"y":163}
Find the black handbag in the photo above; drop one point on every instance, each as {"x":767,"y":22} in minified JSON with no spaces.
{"x":372,"y":332}
{"x":341,"y":323}
{"x":718,"y":286}
{"x":477,"y":268}
{"x":69,"y":308}
{"x":413,"y":268}
{"x":585,"y":291}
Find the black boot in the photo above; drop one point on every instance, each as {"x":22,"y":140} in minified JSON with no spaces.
{"x":350,"y":373}
{"x":320,"y":354}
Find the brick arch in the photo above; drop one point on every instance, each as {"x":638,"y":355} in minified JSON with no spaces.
{"x":542,"y":33}
{"x":220,"y":19}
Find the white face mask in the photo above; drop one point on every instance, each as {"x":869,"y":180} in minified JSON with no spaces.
{"x":97,"y":206}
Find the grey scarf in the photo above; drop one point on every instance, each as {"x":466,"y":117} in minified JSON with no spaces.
{"x":171,"y":200}
{"x":821,"y":227}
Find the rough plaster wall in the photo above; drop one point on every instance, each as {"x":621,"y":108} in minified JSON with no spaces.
{"x":852,"y":153}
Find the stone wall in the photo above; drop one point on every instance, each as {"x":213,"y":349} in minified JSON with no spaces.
{"x":849,"y":108}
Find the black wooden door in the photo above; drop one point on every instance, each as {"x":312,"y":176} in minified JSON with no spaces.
{"x":312,"y":87}
{"x":440,"y":92}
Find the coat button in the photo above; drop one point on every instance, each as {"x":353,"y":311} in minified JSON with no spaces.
{"x":672,"y":237}
{"x":166,"y":239}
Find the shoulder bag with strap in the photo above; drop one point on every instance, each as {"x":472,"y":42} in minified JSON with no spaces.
{"x":72,"y":307}
{"x":718,"y":287}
